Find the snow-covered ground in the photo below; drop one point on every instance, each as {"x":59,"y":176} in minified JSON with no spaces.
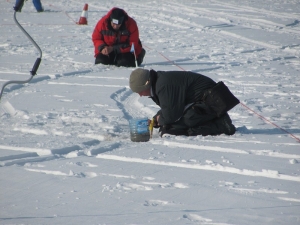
{"x":65,"y":152}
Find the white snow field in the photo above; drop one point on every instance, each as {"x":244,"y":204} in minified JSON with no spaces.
{"x":65,"y":151}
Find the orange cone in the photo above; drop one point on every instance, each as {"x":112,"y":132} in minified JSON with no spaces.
{"x":84,"y":15}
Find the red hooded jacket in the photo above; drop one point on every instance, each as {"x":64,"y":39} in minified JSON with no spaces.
{"x":121,"y":40}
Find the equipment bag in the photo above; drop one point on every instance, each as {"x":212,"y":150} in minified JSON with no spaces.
{"x":219,"y":99}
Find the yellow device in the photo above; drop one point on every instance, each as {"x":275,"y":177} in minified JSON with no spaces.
{"x":151,"y":127}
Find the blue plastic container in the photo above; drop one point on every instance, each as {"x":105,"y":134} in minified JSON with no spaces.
{"x":139,"y":130}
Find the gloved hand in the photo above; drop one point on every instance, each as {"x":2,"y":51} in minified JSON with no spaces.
{"x":155,"y":117}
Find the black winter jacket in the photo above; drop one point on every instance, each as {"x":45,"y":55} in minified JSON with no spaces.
{"x":173,"y":90}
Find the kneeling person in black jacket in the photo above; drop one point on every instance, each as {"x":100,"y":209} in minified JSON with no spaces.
{"x":180,"y":97}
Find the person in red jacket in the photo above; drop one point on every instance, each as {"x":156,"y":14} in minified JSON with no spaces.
{"x":113,"y":38}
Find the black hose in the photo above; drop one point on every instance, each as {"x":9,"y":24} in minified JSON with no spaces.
{"x":37,"y":61}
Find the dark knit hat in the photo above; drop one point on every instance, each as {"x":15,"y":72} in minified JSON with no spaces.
{"x":117,"y":16}
{"x":139,"y":80}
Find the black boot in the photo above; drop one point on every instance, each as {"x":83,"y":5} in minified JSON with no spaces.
{"x":225,"y":124}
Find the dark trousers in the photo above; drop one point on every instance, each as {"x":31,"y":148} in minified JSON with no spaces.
{"x":37,"y":4}
{"x":198,"y":121}
{"x":123,"y":59}
{"x":193,"y":116}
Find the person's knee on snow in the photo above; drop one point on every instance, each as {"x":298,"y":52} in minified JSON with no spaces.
{"x":104,"y":59}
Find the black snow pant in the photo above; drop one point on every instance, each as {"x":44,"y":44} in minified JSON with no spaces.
{"x":122,"y":59}
{"x":197,"y":121}
{"x":125,"y":59}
